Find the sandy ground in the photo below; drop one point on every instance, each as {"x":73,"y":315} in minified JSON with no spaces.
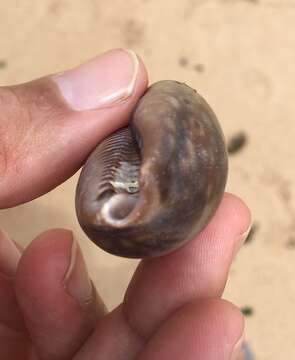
{"x":240,"y":55}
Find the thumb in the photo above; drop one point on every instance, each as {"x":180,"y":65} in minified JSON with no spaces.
{"x":48,"y":126}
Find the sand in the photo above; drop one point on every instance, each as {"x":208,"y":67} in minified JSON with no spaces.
{"x":240,"y":55}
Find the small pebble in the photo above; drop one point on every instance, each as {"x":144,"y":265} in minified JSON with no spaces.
{"x":236,"y":142}
{"x":252,"y":233}
{"x":199,"y":68}
{"x":247,"y":310}
{"x":183,"y":61}
{"x":3,"y":64}
{"x":290,"y":244}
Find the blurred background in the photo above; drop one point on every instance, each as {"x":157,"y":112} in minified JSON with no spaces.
{"x":240,"y":55}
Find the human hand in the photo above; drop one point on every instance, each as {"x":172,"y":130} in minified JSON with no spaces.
{"x":49,"y":309}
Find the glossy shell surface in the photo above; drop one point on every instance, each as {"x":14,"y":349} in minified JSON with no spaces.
{"x":150,"y":187}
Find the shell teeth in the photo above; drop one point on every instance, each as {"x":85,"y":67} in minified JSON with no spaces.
{"x":120,"y":158}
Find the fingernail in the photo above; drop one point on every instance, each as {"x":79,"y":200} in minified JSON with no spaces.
{"x":241,"y":239}
{"x":77,"y":281}
{"x":9,"y":255}
{"x":237,"y":350}
{"x":101,"y":82}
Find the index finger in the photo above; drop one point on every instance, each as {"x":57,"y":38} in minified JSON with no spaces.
{"x":197,"y":270}
{"x":162,"y":285}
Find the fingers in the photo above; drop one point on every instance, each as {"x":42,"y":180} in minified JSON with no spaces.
{"x":204,"y":329}
{"x":197,"y":270}
{"x":14,"y":341}
{"x":14,"y":345}
{"x":207,"y":329}
{"x":161,"y":286}
{"x":10,"y":315}
{"x":56,"y":296}
{"x":113,"y":339}
{"x":48,"y":126}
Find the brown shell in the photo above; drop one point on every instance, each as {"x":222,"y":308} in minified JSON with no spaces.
{"x":151,"y":186}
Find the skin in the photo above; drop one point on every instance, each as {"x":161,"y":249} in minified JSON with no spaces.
{"x":172,"y":308}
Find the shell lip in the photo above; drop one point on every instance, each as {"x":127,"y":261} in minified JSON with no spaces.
{"x":121,"y":210}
